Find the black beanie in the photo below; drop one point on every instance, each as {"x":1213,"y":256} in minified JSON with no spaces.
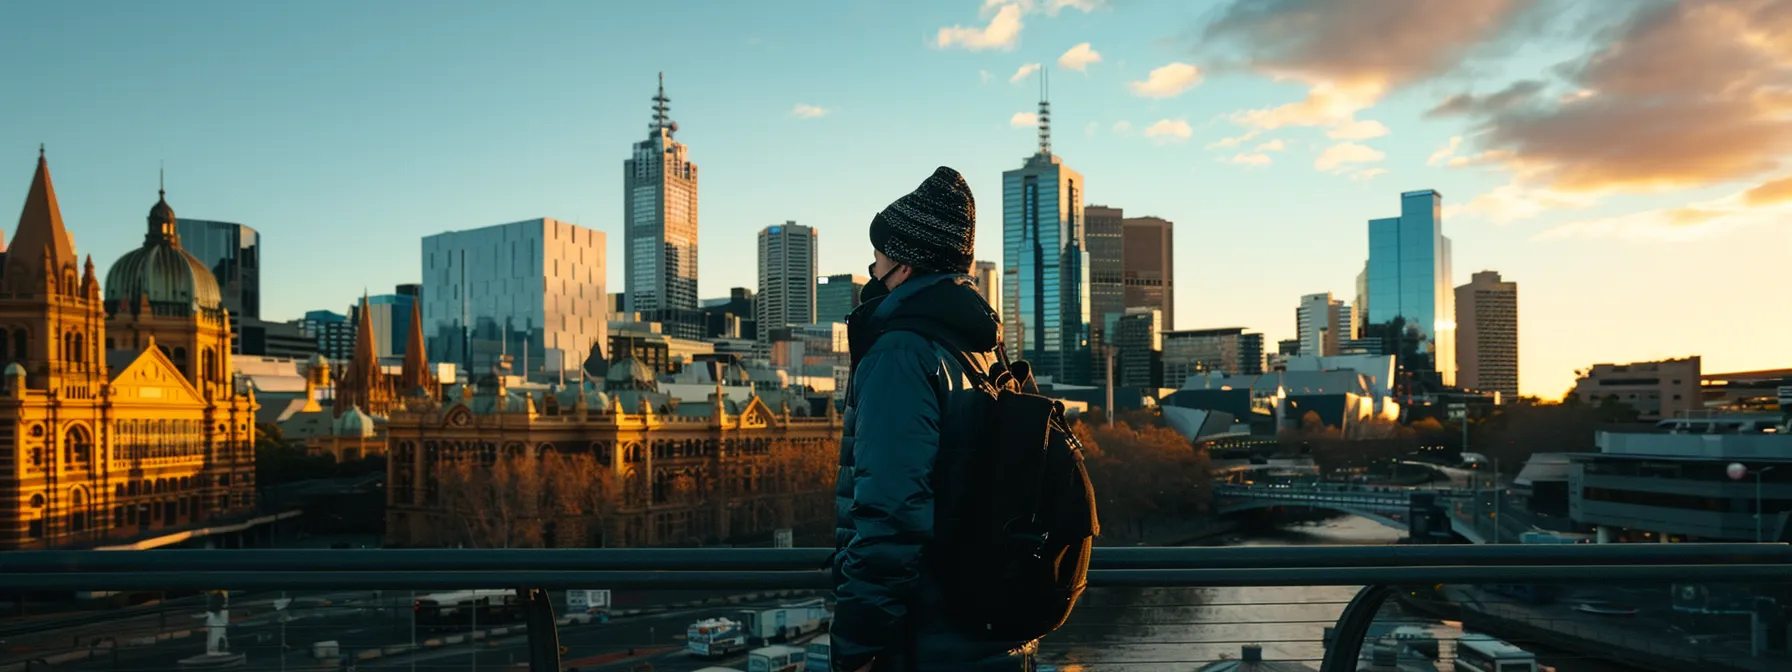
{"x":933,"y":228}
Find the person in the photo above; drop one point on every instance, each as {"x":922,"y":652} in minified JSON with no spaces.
{"x":895,"y":484}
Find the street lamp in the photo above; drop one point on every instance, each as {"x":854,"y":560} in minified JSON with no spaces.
{"x":1738,"y":471}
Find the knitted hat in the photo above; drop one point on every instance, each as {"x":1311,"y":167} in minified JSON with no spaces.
{"x":931,"y":229}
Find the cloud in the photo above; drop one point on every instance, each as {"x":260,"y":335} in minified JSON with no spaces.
{"x":983,"y":76}
{"x":1122,"y":127}
{"x":1023,"y":72}
{"x":1252,"y":160}
{"x":1357,"y":130}
{"x":1445,"y":152}
{"x":1769,"y":193}
{"x":1346,"y":152}
{"x":1002,"y":32}
{"x":1369,"y":174}
{"x":1079,"y":57}
{"x":1272,"y":146}
{"x":1169,"y":130}
{"x":1674,"y":225}
{"x":1024,"y":120}
{"x":1510,"y":203}
{"x":1236,"y":140}
{"x":1049,"y":7}
{"x":1168,"y":81}
{"x":802,"y":111}
{"x":1516,"y":94}
{"x":1682,"y":96}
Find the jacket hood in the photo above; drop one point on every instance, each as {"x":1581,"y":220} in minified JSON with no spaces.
{"x":947,"y":305}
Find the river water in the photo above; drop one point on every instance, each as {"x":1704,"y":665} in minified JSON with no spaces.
{"x":1184,"y":628}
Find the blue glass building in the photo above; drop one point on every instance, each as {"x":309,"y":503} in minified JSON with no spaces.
{"x":1412,"y":302}
{"x":1045,"y":264}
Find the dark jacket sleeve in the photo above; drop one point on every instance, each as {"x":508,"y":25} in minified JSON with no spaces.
{"x":896,"y":436}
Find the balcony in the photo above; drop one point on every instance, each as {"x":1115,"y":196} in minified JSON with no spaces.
{"x":1602,"y":608}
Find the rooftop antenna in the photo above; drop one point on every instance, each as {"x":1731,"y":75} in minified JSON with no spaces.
{"x":660,"y":118}
{"x":1045,"y":113}
{"x":162,"y":179}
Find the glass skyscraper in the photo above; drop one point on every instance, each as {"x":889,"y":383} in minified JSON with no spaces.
{"x":1045,"y":264}
{"x":233,"y":252}
{"x":660,"y":227}
{"x":532,"y":290}
{"x":837,"y":295}
{"x":1412,"y":303}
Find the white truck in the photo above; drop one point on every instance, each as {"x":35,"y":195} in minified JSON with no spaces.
{"x":775,"y":659}
{"x":714,"y":637}
{"x":786,"y":622}
{"x":587,"y":601}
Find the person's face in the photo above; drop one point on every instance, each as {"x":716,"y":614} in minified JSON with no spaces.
{"x":888,"y":271}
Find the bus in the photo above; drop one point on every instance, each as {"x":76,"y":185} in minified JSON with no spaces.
{"x":1481,"y":653}
{"x":818,"y":655}
{"x":779,"y":658}
{"x":464,"y":609}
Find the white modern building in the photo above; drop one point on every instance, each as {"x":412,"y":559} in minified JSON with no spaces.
{"x":786,"y":277}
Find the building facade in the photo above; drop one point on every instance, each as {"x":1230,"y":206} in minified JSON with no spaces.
{"x":261,"y":338}
{"x":837,"y":295}
{"x":660,"y":226}
{"x":1644,"y":487}
{"x":333,"y":333}
{"x":1138,"y":341}
{"x":1487,"y":334}
{"x":233,"y":253}
{"x":1150,"y":272}
{"x":1045,"y":264}
{"x":1657,"y":390}
{"x":1320,"y":321}
{"x":391,"y":318}
{"x":669,"y":473}
{"x":989,"y":283}
{"x":531,"y":290}
{"x":1107,"y":268}
{"x":786,"y":276}
{"x":120,"y":416}
{"x":1229,"y":350}
{"x":1412,"y":305}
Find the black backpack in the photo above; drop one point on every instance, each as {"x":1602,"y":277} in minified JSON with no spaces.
{"x":1015,"y":556}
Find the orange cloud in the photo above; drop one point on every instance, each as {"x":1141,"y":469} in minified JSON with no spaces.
{"x":1770,"y":193}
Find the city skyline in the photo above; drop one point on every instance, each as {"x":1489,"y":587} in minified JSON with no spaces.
{"x":329,"y":161}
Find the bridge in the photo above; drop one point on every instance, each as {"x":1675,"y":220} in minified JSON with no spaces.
{"x":538,"y":639}
{"x":1421,"y":513}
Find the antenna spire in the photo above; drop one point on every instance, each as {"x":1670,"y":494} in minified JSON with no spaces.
{"x":661,"y":118}
{"x":40,"y":150}
{"x":162,"y":180}
{"x":1045,"y":113}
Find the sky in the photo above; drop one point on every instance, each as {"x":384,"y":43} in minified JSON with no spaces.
{"x":1628,"y":164}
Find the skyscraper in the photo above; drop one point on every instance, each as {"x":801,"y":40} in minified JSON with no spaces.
{"x":786,"y":277}
{"x":1045,"y":262}
{"x":989,"y":282}
{"x":1149,"y":272}
{"x":660,"y":227}
{"x":532,"y":291}
{"x":1318,"y":322}
{"x":1487,"y":343}
{"x":1107,"y":267}
{"x":837,"y":295}
{"x":1411,"y":302}
{"x":1359,"y":307}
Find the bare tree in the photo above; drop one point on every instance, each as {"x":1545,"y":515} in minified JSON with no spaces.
{"x":492,"y":503}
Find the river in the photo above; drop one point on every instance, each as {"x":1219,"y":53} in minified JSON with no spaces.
{"x":1184,"y":628}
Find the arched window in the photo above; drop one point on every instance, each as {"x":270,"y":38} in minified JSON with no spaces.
{"x":77,"y":447}
{"x":80,"y":349}
{"x":68,"y":347}
{"x":77,"y":515}
{"x":21,"y":345}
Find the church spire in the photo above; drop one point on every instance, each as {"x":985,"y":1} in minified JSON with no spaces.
{"x":40,"y":234}
{"x":416,"y":363}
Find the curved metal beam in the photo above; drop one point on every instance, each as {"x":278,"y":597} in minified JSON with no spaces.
{"x":1353,"y":627}
{"x":544,"y":637}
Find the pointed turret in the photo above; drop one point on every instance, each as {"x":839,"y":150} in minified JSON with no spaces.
{"x":416,"y":362}
{"x":40,"y":235}
{"x":90,"y":283}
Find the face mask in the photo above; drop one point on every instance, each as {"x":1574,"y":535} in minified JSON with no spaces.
{"x":875,"y":288}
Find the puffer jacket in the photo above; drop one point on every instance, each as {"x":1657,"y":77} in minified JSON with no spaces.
{"x":897,"y":490}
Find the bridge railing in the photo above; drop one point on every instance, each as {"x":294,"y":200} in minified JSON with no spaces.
{"x":1148,"y":608}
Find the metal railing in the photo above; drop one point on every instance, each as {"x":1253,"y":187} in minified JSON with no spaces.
{"x":1379,"y":570}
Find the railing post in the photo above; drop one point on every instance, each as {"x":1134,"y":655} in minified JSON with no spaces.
{"x":1353,"y":628}
{"x":544,"y":637}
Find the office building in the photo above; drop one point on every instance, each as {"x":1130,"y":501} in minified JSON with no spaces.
{"x":1288,"y":347}
{"x":1149,"y":272}
{"x":1229,"y":350}
{"x":1045,"y":264}
{"x":1487,"y":334}
{"x":391,"y":317}
{"x":989,"y":282}
{"x":275,"y":339}
{"x":786,"y":276}
{"x":233,"y":254}
{"x":333,"y":333}
{"x":1411,"y":297}
{"x":1359,"y":307}
{"x":660,"y":226}
{"x":1107,"y":267}
{"x":1138,"y":341}
{"x":837,"y":295}
{"x":732,"y":317}
{"x":1676,"y":485}
{"x":1656,"y":390}
{"x":531,"y":290}
{"x":1319,"y":321}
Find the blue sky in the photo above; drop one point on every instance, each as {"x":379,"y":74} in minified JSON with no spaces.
{"x":344,"y":132}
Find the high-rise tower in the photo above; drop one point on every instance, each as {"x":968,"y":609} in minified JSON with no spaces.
{"x":1412,"y":306}
{"x":786,"y":278}
{"x":1045,"y":265}
{"x":660,"y":226}
{"x":1487,"y":336}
